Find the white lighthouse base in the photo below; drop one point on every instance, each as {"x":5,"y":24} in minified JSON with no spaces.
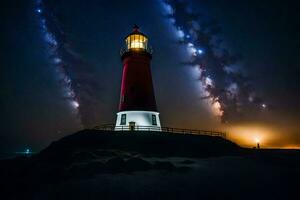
{"x":138,"y":121}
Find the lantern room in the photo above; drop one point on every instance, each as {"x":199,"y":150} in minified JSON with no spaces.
{"x":136,"y":40}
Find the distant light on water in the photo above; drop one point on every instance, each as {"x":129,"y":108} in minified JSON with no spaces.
{"x":249,"y":135}
{"x":26,"y":152}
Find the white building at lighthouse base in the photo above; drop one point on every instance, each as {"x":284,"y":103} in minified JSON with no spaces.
{"x":138,"y":120}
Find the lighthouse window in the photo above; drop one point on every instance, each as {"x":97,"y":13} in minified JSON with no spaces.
{"x":154,"y":122}
{"x":123,"y":119}
{"x":136,"y":41}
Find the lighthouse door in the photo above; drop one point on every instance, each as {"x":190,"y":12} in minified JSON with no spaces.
{"x":132,"y":126}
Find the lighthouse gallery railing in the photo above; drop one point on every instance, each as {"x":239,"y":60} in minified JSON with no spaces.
{"x":125,"y":49}
{"x":112,"y":127}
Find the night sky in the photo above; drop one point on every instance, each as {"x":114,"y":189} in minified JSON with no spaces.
{"x":38,"y":105}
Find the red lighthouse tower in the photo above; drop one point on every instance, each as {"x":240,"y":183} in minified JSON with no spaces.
{"x":137,"y":108}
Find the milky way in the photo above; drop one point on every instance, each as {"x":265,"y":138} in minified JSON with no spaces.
{"x":76,"y":78}
{"x":52,"y":35}
{"x":229,"y":91}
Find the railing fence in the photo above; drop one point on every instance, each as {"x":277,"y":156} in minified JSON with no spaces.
{"x":112,"y":127}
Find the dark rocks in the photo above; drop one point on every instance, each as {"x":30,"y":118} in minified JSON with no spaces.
{"x":115,"y":164}
{"x":183,"y":169}
{"x":104,"y":153}
{"x":137,"y":164}
{"x":143,"y":143}
{"x":118,"y":164}
{"x":163,"y":165}
{"x":187,"y":162}
{"x":83,"y":156}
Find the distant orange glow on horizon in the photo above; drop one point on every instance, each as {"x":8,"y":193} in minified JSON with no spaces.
{"x":248,"y":135}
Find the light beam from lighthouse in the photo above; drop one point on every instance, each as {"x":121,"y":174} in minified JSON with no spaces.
{"x":137,"y":108}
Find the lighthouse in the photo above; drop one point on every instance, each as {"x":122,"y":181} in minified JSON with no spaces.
{"x":137,"y":108}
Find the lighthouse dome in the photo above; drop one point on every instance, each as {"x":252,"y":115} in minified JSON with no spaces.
{"x":136,"y":41}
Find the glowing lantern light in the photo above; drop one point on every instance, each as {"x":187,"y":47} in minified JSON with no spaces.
{"x":136,"y":40}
